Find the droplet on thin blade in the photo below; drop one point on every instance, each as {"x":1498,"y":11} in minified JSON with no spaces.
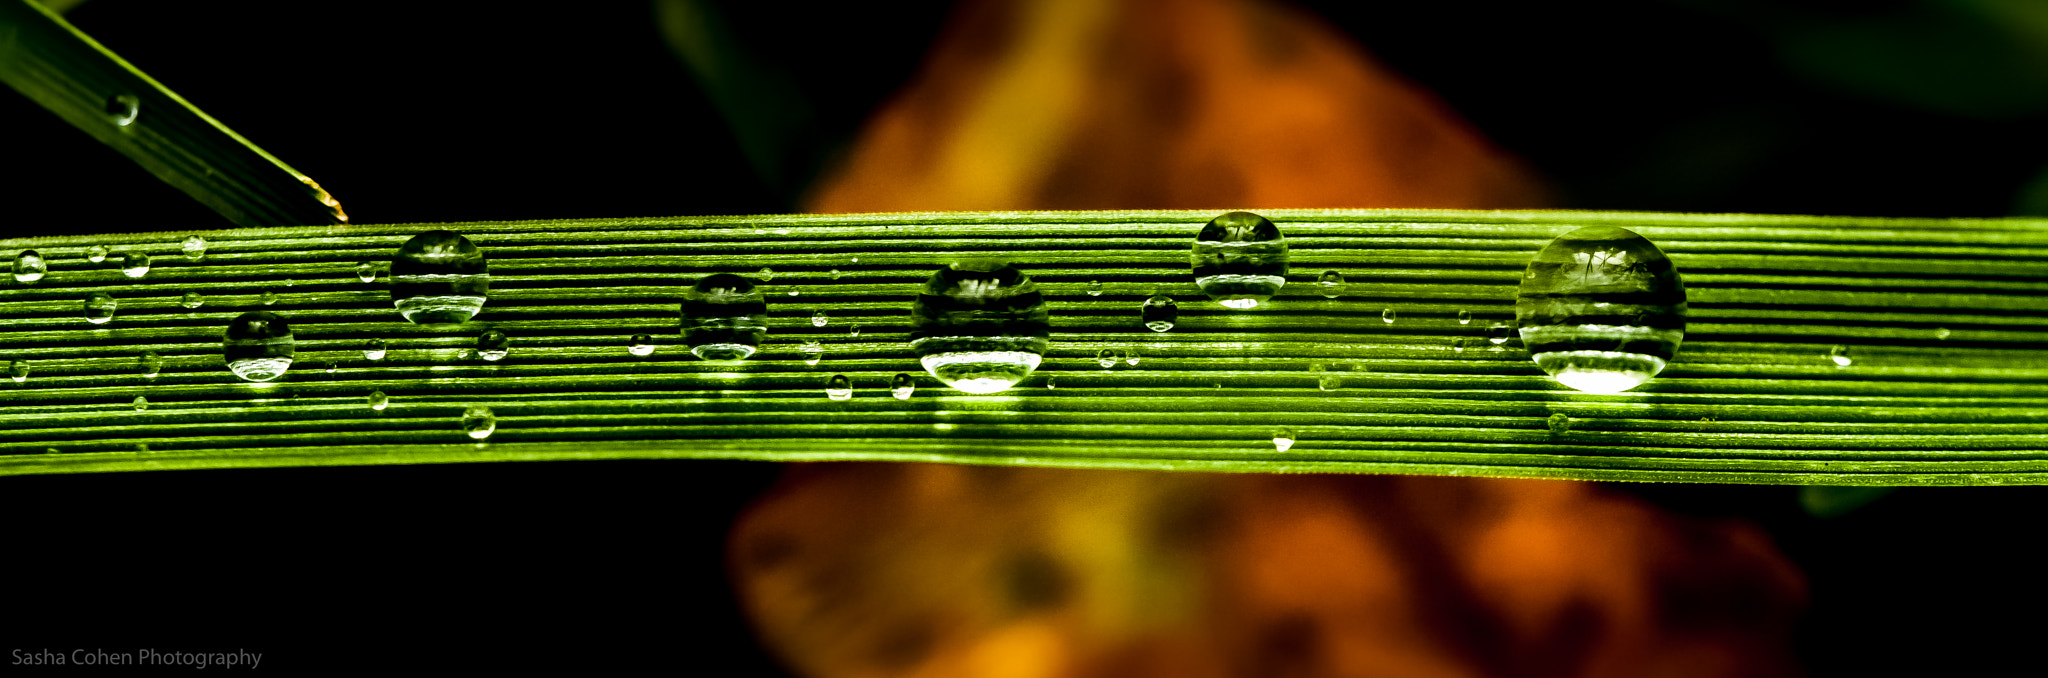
{"x":1330,"y":382}
{"x":1331,"y":283}
{"x":18,"y":370}
{"x":479,"y":422}
{"x":258,"y":346}
{"x":1559,"y":423}
{"x":140,"y":403}
{"x":839,"y":387}
{"x":366,"y":272}
{"x":439,"y":277}
{"x":374,"y":349}
{"x":194,"y":247}
{"x":191,"y":300}
{"x":902,"y":386}
{"x":1283,"y":439}
{"x":29,"y":266}
{"x":1601,"y":309}
{"x":99,"y":308}
{"x":123,"y":109}
{"x":150,"y":364}
{"x":1942,"y":333}
{"x":134,"y":264}
{"x":96,"y":253}
{"x":640,"y":345}
{"x":1159,"y":313}
{"x":1131,"y":357}
{"x":1109,"y":357}
{"x":813,"y":352}
{"x":378,"y":401}
{"x":725,"y":317}
{"x":493,"y":345}
{"x":1240,"y":260}
{"x":268,"y":298}
{"x":1840,"y":355}
{"x":1387,"y":316}
{"x":1499,"y":333}
{"x":766,"y":274}
{"x":1094,"y":288}
{"x":819,"y":319}
{"x":1464,"y":317}
{"x":980,"y":326}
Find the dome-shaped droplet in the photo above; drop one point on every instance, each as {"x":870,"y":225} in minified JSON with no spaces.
{"x":1159,"y":313}
{"x":122,"y":109}
{"x":1109,"y":357}
{"x":819,"y":319}
{"x":1094,"y":288}
{"x":1559,"y":423}
{"x":836,"y":274}
{"x":439,"y":277}
{"x":1601,"y":309}
{"x":366,"y":272}
{"x":1283,"y":439}
{"x":96,"y":253}
{"x":258,"y":346}
{"x":493,"y":345}
{"x":1330,"y":382}
{"x":839,"y":387}
{"x":640,"y":345}
{"x":18,"y":370}
{"x":853,"y":331}
{"x":724,"y":317}
{"x":378,"y":401}
{"x":980,"y":327}
{"x":374,"y":349}
{"x":479,"y":422}
{"x":902,"y":386}
{"x":191,"y":300}
{"x":150,"y":364}
{"x":1240,"y":259}
{"x":813,"y":351}
{"x":139,"y":403}
{"x":1131,"y":357}
{"x":1387,"y":316}
{"x":793,"y":291}
{"x":1458,"y":344}
{"x":1464,"y":317}
{"x":99,"y":308}
{"x":268,"y":298}
{"x":29,"y":266}
{"x":766,"y":274}
{"x":1331,"y":283}
{"x":134,"y":264}
{"x":1840,"y":355}
{"x":1499,"y":333}
{"x":194,"y":247}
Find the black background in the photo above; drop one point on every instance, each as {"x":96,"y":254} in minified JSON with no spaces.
{"x":478,"y":111}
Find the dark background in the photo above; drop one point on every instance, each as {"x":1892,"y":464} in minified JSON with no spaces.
{"x":473,"y":111}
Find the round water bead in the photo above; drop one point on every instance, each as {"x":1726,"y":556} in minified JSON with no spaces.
{"x":766,"y":274}
{"x":439,"y":277}
{"x":1387,"y":316}
{"x":191,"y":300}
{"x":29,"y":266}
{"x":640,"y":345}
{"x":813,"y":352}
{"x":258,"y":346}
{"x":839,"y":387}
{"x":493,"y":345}
{"x":1159,"y":313}
{"x":122,"y":109}
{"x":194,"y":247}
{"x":99,"y":308}
{"x":140,"y":403}
{"x":1240,"y":259}
{"x":1332,"y":284}
{"x":1559,"y":423}
{"x":96,"y":253}
{"x":819,"y":319}
{"x":724,"y":317}
{"x":1094,"y":288}
{"x":1109,"y":357}
{"x":902,"y":386}
{"x":378,"y":401}
{"x":1283,"y":439}
{"x":1601,"y":309}
{"x":479,"y":422}
{"x":980,"y":327}
{"x":134,"y":264}
{"x":1499,"y":333}
{"x":1131,"y":356}
{"x":374,"y":349}
{"x":150,"y":364}
{"x":268,"y":298}
{"x":1840,"y":355}
{"x":366,"y":272}
{"x":18,"y":370}
{"x":1464,"y":317}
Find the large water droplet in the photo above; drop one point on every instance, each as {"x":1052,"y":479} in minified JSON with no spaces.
{"x":640,"y":345}
{"x":1159,"y":313}
{"x":374,"y":349}
{"x":1109,"y":357}
{"x":1283,"y":439}
{"x":150,"y":364}
{"x":1559,"y":423}
{"x":1499,"y":333}
{"x":99,"y":308}
{"x":194,"y":247}
{"x":980,"y":327}
{"x":1240,"y":259}
{"x":1601,"y":309}
{"x":18,"y":370}
{"x":902,"y":386}
{"x":839,"y":387}
{"x":140,"y":403}
{"x":258,"y":346}
{"x":366,"y":272}
{"x":439,"y":277}
{"x":134,"y":264}
{"x":479,"y":422}
{"x":122,"y":109}
{"x":1331,"y":283}
{"x":813,"y":352}
{"x":493,"y":345}
{"x":378,"y":401}
{"x":724,"y":317}
{"x":96,"y":253}
{"x":191,"y":300}
{"x":819,"y":319}
{"x":1387,"y":316}
{"x":29,"y":266}
{"x":1840,"y":354}
{"x":1464,"y":317}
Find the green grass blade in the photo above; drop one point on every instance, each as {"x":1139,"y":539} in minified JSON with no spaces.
{"x":1945,"y":320}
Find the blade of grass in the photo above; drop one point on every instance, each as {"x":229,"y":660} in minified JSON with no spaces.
{"x":1945,"y":321}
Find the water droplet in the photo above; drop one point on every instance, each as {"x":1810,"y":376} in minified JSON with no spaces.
{"x":1840,"y":354}
{"x":18,"y":369}
{"x":366,"y":272}
{"x":191,"y":300}
{"x":1559,"y":423}
{"x":1109,"y":357}
{"x":1330,"y":383}
{"x":258,"y":346}
{"x":725,"y":317}
{"x":1387,"y":316}
{"x":493,"y":345}
{"x":140,"y":403}
{"x":96,"y":253}
{"x":641,"y":345}
{"x":813,"y":352}
{"x":853,"y":331}
{"x":1052,"y":382}
{"x":268,"y":298}
{"x":29,"y":266}
{"x":1601,"y":309}
{"x":1240,"y":260}
{"x":1159,"y":313}
{"x":836,"y":274}
{"x":1332,"y":284}
{"x":1498,"y":333}
{"x":1464,"y":317}
{"x":793,"y":291}
{"x":819,"y":319}
{"x":1283,"y":439}
{"x":766,"y":274}
{"x":839,"y":387}
{"x":1458,"y":344}
{"x":439,"y":277}
{"x":1942,"y":333}
{"x":980,"y":327}
{"x":134,"y":264}
{"x":902,"y":386}
{"x":194,"y":247}
{"x":1131,"y":357}
{"x":479,"y":422}
{"x":379,"y":401}
{"x":150,"y":363}
{"x":122,"y":109}
{"x":330,"y":366}
{"x":99,"y":308}
{"x":374,"y":349}
{"x":1094,"y":288}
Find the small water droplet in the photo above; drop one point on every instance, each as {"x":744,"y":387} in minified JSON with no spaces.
{"x":1332,"y":284}
{"x":134,"y":264}
{"x":839,"y":387}
{"x":1240,"y":260}
{"x":268,"y":298}
{"x":1131,"y":356}
{"x":1601,"y":309}
{"x":1387,"y":316}
{"x":1840,"y":354}
{"x":1559,"y":423}
{"x":140,"y":403}
{"x":18,"y":369}
{"x":855,"y":260}
{"x":819,"y":319}
{"x":1159,"y":313}
{"x":330,"y":366}
{"x":1283,"y":439}
{"x":258,"y":346}
{"x":192,"y":300}
{"x":1109,"y":357}
{"x":793,"y":291}
{"x":1498,"y":333}
{"x":980,"y":326}
{"x":122,"y":109}
{"x":99,"y":308}
{"x":194,"y":247}
{"x":1942,"y":333}
{"x":493,"y":345}
{"x":150,"y":364}
{"x":1464,"y":317}
{"x":374,"y":349}
{"x":29,"y":266}
{"x":641,"y":345}
{"x":766,"y":274}
{"x":378,"y":401}
{"x":853,"y":331}
{"x":1052,"y":382}
{"x":439,"y":277}
{"x":1458,"y":345}
{"x":1330,"y":383}
{"x":836,"y":274}
{"x":479,"y":422}
{"x":724,"y":317}
{"x":96,"y":253}
{"x":366,"y":272}
{"x":902,"y":386}
{"x":813,"y":352}
{"x":1094,"y":288}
